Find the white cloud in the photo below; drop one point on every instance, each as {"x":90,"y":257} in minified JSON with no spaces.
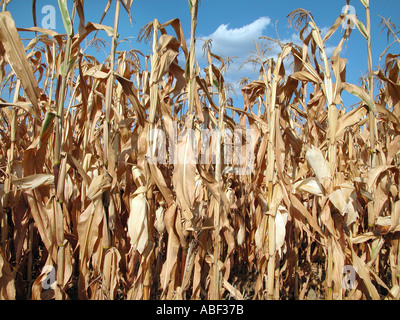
{"x":238,"y":42}
{"x":235,"y":41}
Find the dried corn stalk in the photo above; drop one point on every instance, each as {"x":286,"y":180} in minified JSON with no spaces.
{"x":156,"y":196}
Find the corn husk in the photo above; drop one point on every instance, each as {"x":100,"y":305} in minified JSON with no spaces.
{"x":138,"y":229}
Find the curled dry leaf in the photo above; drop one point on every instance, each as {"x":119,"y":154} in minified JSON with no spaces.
{"x":194,"y":224}
{"x":98,"y":185}
{"x":7,"y":285}
{"x":17,"y":57}
{"x":34,"y":181}
{"x":318,"y":163}
{"x":261,"y":233}
{"x":310,"y":185}
{"x":184,"y":175}
{"x":111,"y":271}
{"x":340,"y":197}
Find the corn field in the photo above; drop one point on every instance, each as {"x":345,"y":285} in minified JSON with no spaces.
{"x":93,"y":207}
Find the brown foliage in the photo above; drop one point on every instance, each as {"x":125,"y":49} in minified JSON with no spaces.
{"x":93,"y":208}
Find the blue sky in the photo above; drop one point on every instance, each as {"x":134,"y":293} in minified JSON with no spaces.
{"x":234,"y":25}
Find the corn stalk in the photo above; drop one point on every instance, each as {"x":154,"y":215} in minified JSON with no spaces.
{"x":127,"y":228}
{"x":273,"y":125}
{"x":110,"y":85}
{"x":366,"y":32}
{"x":59,"y":170}
{"x":193,"y":7}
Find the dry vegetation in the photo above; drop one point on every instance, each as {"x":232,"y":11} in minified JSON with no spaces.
{"x":79,"y":196}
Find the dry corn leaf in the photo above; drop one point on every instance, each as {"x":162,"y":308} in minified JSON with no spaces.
{"x":7,"y":286}
{"x":310,"y":185}
{"x":129,"y":90}
{"x":73,"y":162}
{"x":335,"y":26}
{"x":184,"y":175}
{"x":315,"y":150}
{"x":395,"y":217}
{"x":66,"y":257}
{"x":375,"y":173}
{"x":98,"y":185}
{"x":161,"y":184}
{"x":360,"y":93}
{"x":88,"y":229}
{"x":212,"y":185}
{"x":34,"y":181}
{"x":111,"y":272}
{"x":252,"y":91}
{"x":364,"y":272}
{"x":90,"y":27}
{"x":298,"y":206}
{"x":233,"y":291}
{"x":172,"y":247}
{"x":352,"y":209}
{"x":340,"y":196}
{"x":168,"y":47}
{"x":23,"y":105}
{"x":45,"y":286}
{"x":15,"y":51}
{"x":49,"y":32}
{"x":95,"y":72}
{"x":363,"y":237}
{"x":305,"y":76}
{"x":349,"y":119}
{"x":81,"y":14}
{"x":260,"y":233}
{"x":318,"y":163}
{"x":43,"y":214}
